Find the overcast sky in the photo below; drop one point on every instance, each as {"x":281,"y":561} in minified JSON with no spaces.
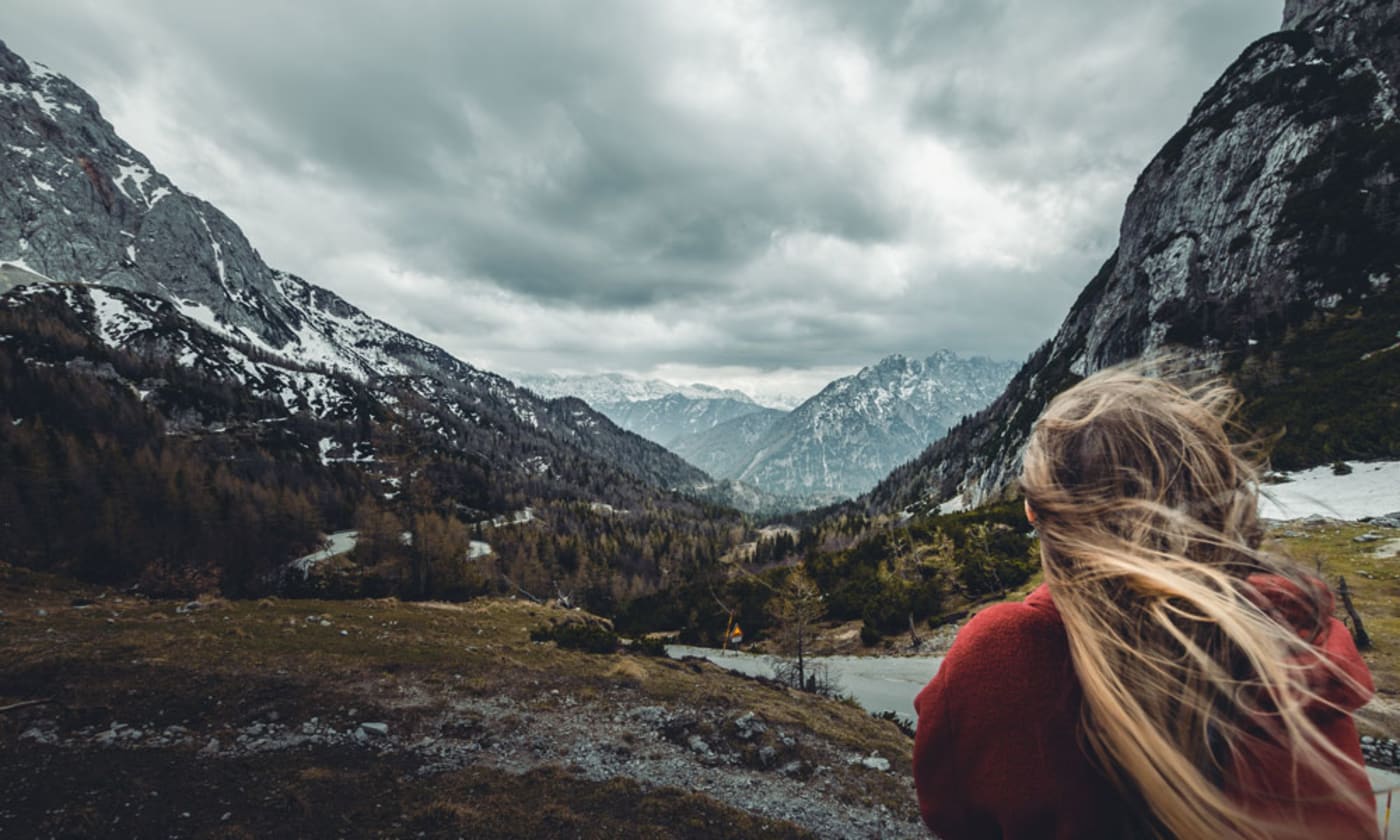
{"x":754,"y":194}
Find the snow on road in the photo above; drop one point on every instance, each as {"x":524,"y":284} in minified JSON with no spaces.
{"x":338,"y":543}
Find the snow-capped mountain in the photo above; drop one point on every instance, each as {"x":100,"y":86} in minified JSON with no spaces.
{"x":600,"y":389}
{"x":655,"y":409}
{"x":851,"y":434}
{"x":675,"y":417}
{"x":89,"y":228}
{"x":1264,"y":236}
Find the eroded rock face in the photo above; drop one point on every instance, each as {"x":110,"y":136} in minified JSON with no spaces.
{"x":89,"y":208}
{"x":1277,"y":199}
{"x":1360,"y":27}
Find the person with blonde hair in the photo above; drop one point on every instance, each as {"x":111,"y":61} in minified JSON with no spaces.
{"x":1171,"y":677}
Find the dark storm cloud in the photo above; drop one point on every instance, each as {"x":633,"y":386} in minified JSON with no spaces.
{"x":635,"y":184}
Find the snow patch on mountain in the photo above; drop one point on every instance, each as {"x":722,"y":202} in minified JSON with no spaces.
{"x":1370,"y":489}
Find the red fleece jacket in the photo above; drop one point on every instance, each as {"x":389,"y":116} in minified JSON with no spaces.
{"x":997,"y":754}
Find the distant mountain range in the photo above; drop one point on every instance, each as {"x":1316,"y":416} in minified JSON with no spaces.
{"x":1264,"y":238}
{"x":658,"y":411}
{"x":835,"y":445}
{"x":601,"y":389}
{"x":842,"y":441}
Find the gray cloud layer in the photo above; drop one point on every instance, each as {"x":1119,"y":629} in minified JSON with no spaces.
{"x":722,"y":187}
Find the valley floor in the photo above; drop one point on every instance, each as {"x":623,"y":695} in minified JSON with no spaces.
{"x":380,"y":718}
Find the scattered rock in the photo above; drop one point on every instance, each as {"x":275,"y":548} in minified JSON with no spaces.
{"x":1369,"y":536}
{"x":39,"y":736}
{"x":677,"y":724}
{"x":379,"y":730}
{"x":749,"y":726}
{"x":651,"y":717}
{"x":874,"y":761}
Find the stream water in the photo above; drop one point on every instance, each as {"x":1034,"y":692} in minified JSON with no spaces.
{"x":877,"y":683}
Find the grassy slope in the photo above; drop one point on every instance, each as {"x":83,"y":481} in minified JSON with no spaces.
{"x":216,"y":669}
{"x":1374,"y":581}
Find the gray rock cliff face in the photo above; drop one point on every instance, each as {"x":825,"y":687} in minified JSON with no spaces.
{"x":1276,"y":201}
{"x":80,"y":205}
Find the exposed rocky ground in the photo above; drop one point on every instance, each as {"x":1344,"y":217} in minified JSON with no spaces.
{"x":281,"y":718}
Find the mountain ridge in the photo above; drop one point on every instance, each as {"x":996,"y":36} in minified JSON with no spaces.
{"x":1268,"y":215}
{"x":136,"y":230}
{"x":613,"y":388}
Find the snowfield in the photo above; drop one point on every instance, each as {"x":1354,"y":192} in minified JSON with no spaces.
{"x":1372,"y":489}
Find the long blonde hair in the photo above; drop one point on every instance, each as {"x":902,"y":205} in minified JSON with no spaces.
{"x":1150,"y":541}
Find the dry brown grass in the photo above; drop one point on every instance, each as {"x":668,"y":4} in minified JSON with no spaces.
{"x":131,"y":656}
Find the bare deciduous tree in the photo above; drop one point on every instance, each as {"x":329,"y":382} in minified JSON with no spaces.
{"x":796,"y":609}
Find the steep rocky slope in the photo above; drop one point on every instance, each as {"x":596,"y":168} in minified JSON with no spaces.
{"x":1269,"y":220}
{"x":726,"y":448}
{"x":80,"y":206}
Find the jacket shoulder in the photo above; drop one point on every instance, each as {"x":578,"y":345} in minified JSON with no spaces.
{"x":1009,"y":629}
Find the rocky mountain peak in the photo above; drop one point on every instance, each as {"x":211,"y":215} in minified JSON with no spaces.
{"x":1272,"y":208}
{"x":1355,"y":27}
